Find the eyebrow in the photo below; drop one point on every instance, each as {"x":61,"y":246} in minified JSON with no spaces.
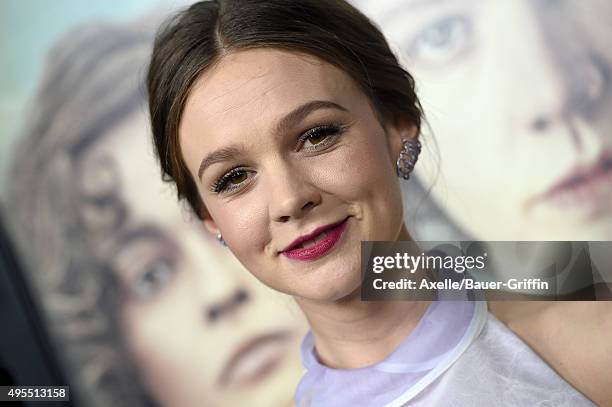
{"x":146,"y":231}
{"x":224,"y":154}
{"x":288,"y":121}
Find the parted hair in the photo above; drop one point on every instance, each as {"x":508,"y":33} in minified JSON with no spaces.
{"x":192,"y":41}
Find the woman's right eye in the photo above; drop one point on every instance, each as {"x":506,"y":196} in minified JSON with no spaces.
{"x":230,"y":180}
{"x":154,"y":278}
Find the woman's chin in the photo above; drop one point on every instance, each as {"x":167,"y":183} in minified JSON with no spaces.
{"x":330,"y":287}
{"x":331,"y":277}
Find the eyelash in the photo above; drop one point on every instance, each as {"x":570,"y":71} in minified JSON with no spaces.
{"x":331,"y":131}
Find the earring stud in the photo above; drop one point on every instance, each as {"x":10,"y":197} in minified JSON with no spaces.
{"x":220,"y":239}
{"x":409,"y":154}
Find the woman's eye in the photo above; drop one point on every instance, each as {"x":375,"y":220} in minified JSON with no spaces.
{"x":154,"y":278}
{"x":231,"y":180}
{"x":315,"y":139}
{"x":441,"y":41}
{"x":238,"y":177}
{"x":319,"y":137}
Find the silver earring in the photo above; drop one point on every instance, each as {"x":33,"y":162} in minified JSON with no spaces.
{"x":411,"y":148}
{"x":220,"y":239}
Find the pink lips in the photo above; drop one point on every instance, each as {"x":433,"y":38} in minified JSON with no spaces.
{"x":322,"y":246}
{"x":584,"y":184}
{"x":255,"y":359}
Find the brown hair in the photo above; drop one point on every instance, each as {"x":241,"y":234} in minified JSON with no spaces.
{"x":199,"y":36}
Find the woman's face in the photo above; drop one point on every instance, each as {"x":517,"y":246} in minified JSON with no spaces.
{"x":200,"y":329}
{"x":519,"y":97}
{"x":284,"y":146}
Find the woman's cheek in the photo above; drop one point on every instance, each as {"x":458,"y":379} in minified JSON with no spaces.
{"x":346,"y":173}
{"x":242,"y":218}
{"x":333,"y":175}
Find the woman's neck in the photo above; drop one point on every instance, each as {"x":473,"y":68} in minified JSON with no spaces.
{"x":351,"y":333}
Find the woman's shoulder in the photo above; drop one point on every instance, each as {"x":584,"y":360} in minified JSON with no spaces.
{"x":573,"y":338}
{"x":500,"y":369}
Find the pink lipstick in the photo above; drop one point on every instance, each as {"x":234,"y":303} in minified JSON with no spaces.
{"x":316,"y":244}
{"x":588,"y":184}
{"x":254,"y":360}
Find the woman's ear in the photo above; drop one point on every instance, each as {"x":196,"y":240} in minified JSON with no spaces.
{"x":398,"y":130}
{"x":208,"y":222}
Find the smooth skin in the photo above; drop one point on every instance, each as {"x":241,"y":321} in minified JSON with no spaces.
{"x":173,"y":275}
{"x":297,"y":145}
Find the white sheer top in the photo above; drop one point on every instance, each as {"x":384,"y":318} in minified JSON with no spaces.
{"x":459,"y":355}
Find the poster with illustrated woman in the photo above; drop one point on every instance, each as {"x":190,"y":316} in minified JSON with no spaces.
{"x":518,"y":147}
{"x":144,"y":307}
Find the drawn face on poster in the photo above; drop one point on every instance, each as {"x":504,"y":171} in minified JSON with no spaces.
{"x":519,"y":98}
{"x":137,"y":292}
{"x":201,"y":330}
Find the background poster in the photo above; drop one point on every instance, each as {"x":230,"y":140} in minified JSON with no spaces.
{"x":147,"y":309}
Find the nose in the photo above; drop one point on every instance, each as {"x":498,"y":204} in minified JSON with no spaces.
{"x":292,"y":194}
{"x":221,"y":290}
{"x":575,"y":89}
{"x":226,"y":306}
{"x":571,"y":78}
{"x":219,"y":284}
{"x":588,"y":79}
